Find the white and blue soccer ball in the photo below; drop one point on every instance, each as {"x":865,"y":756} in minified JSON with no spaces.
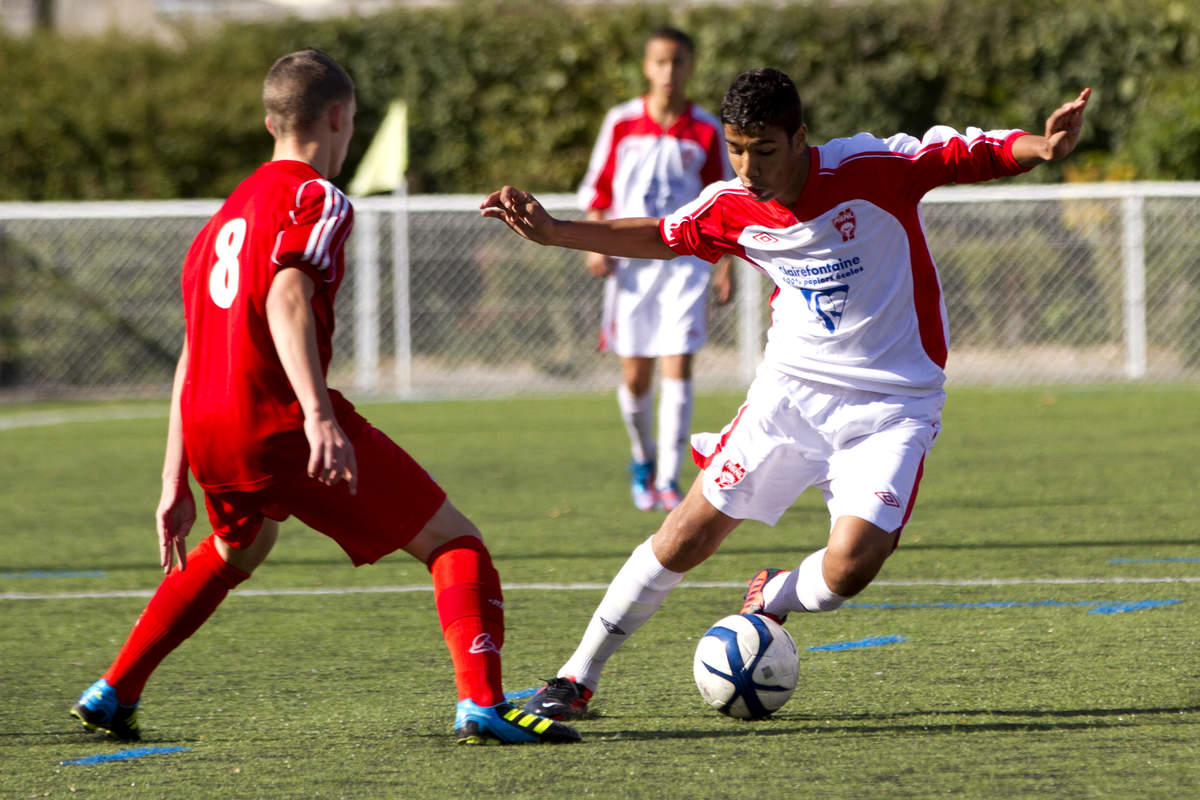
{"x":746,"y":666}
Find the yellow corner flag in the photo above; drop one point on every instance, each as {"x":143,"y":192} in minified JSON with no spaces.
{"x":382,"y":166}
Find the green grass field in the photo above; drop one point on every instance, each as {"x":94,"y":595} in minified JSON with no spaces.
{"x":1046,"y":589}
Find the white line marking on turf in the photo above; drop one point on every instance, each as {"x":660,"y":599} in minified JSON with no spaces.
{"x":571,"y":587}
{"x":35,"y":419}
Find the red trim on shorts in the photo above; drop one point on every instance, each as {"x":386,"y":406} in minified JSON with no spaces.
{"x":912,"y":501}
{"x":702,"y":461}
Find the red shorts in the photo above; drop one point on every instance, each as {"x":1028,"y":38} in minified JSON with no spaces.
{"x":395,"y":499}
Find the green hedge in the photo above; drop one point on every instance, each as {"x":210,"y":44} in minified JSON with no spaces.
{"x":514,"y":92}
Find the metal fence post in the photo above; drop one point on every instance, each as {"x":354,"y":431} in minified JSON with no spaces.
{"x":402,"y":297}
{"x":750,"y":322}
{"x":1134,"y":260}
{"x":366,"y":302}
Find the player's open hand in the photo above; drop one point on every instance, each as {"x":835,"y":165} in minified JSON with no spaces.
{"x":520,"y":211}
{"x":600,"y":265}
{"x":174,"y":518}
{"x":330,"y":454}
{"x":1064,"y":126}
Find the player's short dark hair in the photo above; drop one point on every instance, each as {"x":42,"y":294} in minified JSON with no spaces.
{"x":760,"y":98}
{"x":673,"y":35}
{"x":301,"y":86}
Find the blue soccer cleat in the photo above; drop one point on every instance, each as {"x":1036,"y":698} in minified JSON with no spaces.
{"x":98,"y":710}
{"x":505,"y":724}
{"x":641,"y":485}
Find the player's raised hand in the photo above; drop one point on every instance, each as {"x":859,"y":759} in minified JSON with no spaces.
{"x":330,"y":454}
{"x":520,"y":211}
{"x":174,"y":518}
{"x":1064,"y":126}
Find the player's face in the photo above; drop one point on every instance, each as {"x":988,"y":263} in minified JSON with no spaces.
{"x":341,"y":137}
{"x":769,"y":163}
{"x":667,"y":67}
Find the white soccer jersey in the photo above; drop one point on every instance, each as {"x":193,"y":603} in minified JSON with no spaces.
{"x":638,"y":169}
{"x":858,"y":301}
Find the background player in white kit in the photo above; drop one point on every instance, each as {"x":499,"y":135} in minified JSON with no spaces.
{"x":655,"y":153}
{"x":849,"y":395}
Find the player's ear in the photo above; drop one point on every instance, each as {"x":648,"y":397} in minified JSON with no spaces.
{"x":337,"y":116}
{"x":800,"y":137}
{"x":270,"y":127}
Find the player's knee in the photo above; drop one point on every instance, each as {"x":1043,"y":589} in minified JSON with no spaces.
{"x":849,"y":567}
{"x":446,"y":525}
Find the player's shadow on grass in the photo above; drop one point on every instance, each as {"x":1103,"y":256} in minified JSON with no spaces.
{"x":732,"y":548}
{"x":963,"y":721}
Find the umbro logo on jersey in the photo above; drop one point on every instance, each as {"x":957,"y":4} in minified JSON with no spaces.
{"x":483,"y":644}
{"x":845,"y":223}
{"x":731,"y":473}
{"x":765,"y":238}
{"x":612,"y":628}
{"x":888,"y":499}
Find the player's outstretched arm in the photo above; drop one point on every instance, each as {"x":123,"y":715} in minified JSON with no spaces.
{"x":293,"y":330}
{"x":628,"y":238}
{"x":1061,"y":135}
{"x":176,"y":510}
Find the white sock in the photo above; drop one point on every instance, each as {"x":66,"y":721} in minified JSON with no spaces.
{"x":674,"y":422}
{"x":802,"y":589}
{"x":636,"y":412}
{"x":633,"y":596}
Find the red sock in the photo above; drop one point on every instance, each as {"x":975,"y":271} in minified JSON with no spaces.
{"x":178,"y":608}
{"x":466,"y":589}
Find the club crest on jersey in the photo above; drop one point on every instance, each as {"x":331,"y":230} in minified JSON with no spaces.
{"x":846,"y":224}
{"x":888,"y":499}
{"x":827,"y":303}
{"x":731,"y":473}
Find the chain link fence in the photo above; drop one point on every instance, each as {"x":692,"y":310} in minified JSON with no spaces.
{"x":1043,"y":284}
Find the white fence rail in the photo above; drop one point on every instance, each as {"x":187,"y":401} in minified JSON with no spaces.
{"x":1044,"y":285}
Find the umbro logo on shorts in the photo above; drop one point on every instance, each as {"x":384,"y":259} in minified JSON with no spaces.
{"x":731,"y":473}
{"x":888,"y":499}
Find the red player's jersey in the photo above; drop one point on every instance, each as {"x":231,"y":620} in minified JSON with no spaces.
{"x":242,"y":424}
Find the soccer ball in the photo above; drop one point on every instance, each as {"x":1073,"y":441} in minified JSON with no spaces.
{"x":746,"y":666}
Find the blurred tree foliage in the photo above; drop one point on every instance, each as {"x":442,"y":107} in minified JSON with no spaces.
{"x":514,"y":91}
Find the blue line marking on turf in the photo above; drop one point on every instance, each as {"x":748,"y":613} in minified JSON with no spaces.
{"x":520,"y":694}
{"x":1171,"y":560}
{"x":123,"y":755}
{"x":1137,"y":605}
{"x":52,"y":573}
{"x":1098,"y":606}
{"x":870,"y":641}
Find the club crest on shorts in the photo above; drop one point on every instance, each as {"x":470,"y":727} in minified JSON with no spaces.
{"x":731,"y":473}
{"x":888,"y":499}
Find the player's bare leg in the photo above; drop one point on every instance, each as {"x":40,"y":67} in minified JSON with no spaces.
{"x":675,"y":404}
{"x":635,"y":399}
{"x":825,"y":579}
{"x":248,"y":559}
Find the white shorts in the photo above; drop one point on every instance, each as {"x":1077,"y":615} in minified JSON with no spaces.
{"x":864,"y":450}
{"x":655,"y":308}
